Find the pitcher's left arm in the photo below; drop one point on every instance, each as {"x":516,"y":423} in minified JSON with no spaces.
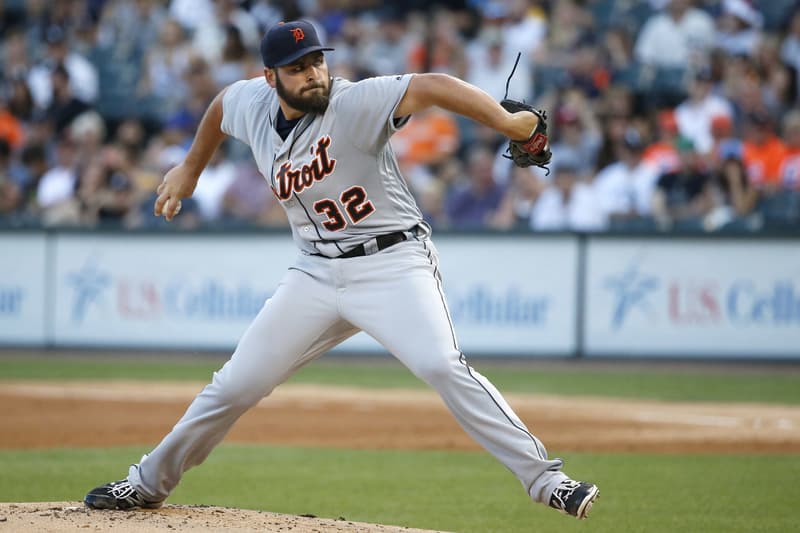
{"x":525,"y":126}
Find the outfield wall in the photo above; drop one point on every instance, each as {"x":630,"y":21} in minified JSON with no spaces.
{"x":513,"y":295}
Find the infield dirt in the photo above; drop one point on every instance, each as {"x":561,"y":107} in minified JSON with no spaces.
{"x":49,"y":414}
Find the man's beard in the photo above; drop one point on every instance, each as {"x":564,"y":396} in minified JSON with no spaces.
{"x":310,"y":103}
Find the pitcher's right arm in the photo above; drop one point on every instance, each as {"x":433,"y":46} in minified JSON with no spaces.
{"x":181,"y":180}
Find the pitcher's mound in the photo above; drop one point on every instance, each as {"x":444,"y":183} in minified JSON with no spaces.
{"x":74,"y":516}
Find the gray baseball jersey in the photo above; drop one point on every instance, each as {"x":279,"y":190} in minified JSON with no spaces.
{"x":335,"y":174}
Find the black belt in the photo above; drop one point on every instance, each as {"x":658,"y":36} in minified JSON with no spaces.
{"x":383,"y":242}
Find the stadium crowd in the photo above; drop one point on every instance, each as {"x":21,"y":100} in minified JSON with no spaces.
{"x":664,"y":114}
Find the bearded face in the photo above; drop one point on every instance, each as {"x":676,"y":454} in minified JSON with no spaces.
{"x":305,"y":85}
{"x":313,"y":98}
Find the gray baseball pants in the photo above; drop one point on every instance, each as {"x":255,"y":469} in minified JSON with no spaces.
{"x":396,"y":297}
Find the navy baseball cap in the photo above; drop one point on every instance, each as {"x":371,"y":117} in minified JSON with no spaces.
{"x":286,"y":42}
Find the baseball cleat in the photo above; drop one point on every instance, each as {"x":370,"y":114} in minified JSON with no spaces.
{"x":574,"y":498}
{"x":117,"y":495}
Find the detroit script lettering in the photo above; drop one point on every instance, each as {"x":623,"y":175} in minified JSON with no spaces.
{"x":291,"y":180}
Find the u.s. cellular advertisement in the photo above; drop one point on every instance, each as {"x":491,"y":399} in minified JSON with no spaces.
{"x":192,"y":292}
{"x":693,"y":297}
{"x":505,"y":297}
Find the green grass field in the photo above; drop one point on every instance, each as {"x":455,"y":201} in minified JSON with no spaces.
{"x":463,"y":492}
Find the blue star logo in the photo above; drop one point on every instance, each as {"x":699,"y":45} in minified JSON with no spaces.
{"x":631,"y":289}
{"x":88,"y":283}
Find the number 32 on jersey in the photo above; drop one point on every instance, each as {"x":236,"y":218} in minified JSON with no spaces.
{"x":355,"y":204}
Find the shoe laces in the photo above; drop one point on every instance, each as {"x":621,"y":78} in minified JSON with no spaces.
{"x":564,"y":491}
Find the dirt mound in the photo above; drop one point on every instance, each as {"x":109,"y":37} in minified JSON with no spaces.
{"x":74,"y":516}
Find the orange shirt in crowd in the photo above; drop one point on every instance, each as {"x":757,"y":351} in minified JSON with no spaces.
{"x":763,"y":161}
{"x":790,"y":169}
{"x":10,"y":129}
{"x":663,"y":156}
{"x":428,"y":138}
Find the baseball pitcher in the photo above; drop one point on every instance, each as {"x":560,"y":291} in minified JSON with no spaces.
{"x":365,"y":261}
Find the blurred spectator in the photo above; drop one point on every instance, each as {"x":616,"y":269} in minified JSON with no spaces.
{"x":431,"y":186}
{"x":81,"y":73}
{"x":662,"y":154}
{"x":210,"y":35}
{"x":524,"y":26}
{"x":236,"y":62}
{"x":726,"y":144}
{"x":739,"y":27}
{"x":568,"y":203}
{"x":249,"y":200}
{"x":734,"y":197}
{"x":10,"y":167}
{"x":15,"y":59}
{"x":776,"y":78}
{"x":268,"y":12}
{"x":65,"y":14}
{"x":165,"y":65}
{"x":163,"y":153}
{"x":576,"y":133}
{"x":790,"y":166}
{"x":625,"y":188}
{"x":191,"y":14}
{"x":569,"y":25}
{"x":519,"y":200}
{"x":683,"y":198}
{"x":33,"y":21}
{"x":585,"y":69}
{"x":385,"y":52}
{"x":348,"y":62}
{"x":20,"y":101}
{"x":471,"y":204}
{"x":743,"y":87}
{"x":615,"y":114}
{"x":695,"y":113}
{"x":214,"y":181}
{"x":85,"y":36}
{"x":11,"y":197}
{"x":33,"y":165}
{"x":439,"y":47}
{"x":790,"y":49}
{"x":107,"y":187}
{"x":202,"y":90}
{"x":489,"y":67}
{"x":429,"y":137}
{"x":681,"y":35}
{"x":618,"y":49}
{"x":55,"y":193}
{"x":88,"y":132}
{"x":64,"y":107}
{"x":130,"y":27}
{"x":130,"y":133}
{"x":430,"y":197}
{"x":11,"y":130}
{"x":763,"y":151}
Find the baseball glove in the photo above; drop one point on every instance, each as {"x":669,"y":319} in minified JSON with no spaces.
{"x":535,"y":150}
